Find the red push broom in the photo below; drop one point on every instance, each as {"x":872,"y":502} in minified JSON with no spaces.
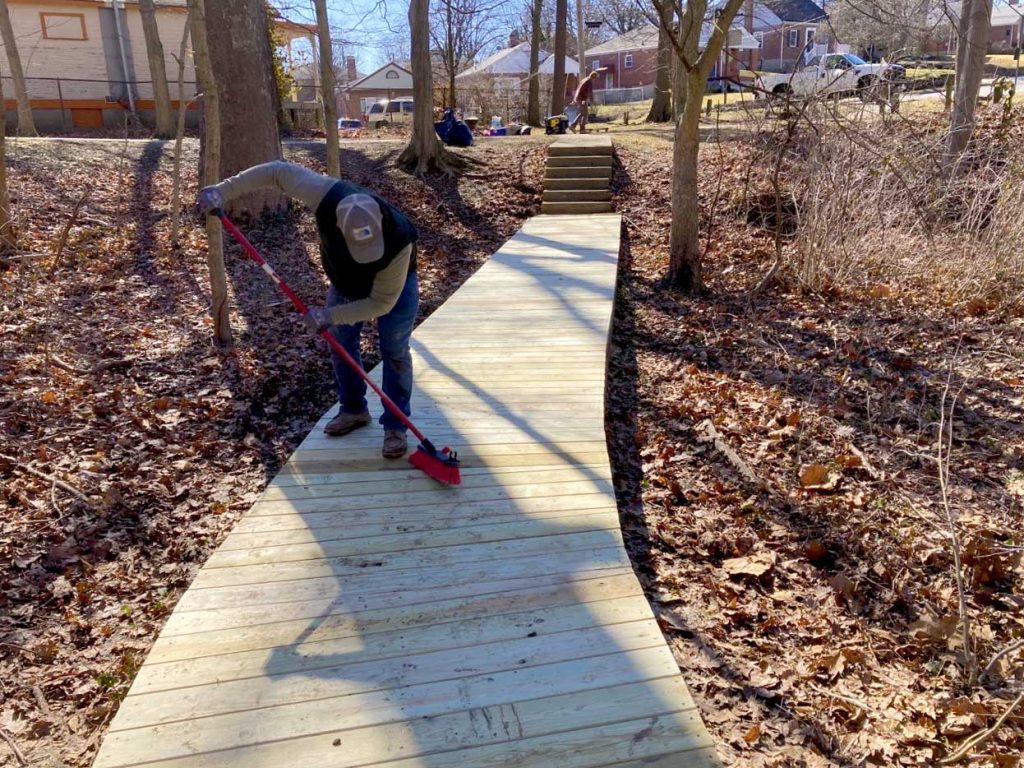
{"x":441,"y":465}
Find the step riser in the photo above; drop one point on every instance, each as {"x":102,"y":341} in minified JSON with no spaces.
{"x":563,"y":208}
{"x":577,"y":195}
{"x":556,"y":151}
{"x":576,"y":184}
{"x":578,"y":173}
{"x":575,"y":161}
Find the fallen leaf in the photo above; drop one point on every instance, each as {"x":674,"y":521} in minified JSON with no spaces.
{"x":754,"y":565}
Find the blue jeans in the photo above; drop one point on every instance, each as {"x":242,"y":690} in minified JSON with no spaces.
{"x":395,"y":329}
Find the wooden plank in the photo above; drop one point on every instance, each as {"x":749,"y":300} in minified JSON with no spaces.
{"x":242,"y":626}
{"x":310,"y":651}
{"x":489,"y":599}
{"x":370,"y":585}
{"x":476,"y":727}
{"x":338,"y":678}
{"x":411,"y":704}
{"x":348,"y":546}
{"x":452,"y":557}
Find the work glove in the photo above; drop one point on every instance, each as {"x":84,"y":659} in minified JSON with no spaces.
{"x":317,"y":319}
{"x":210,"y":200}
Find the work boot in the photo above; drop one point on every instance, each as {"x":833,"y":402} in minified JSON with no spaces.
{"x":344,"y":423}
{"x":395,"y":444}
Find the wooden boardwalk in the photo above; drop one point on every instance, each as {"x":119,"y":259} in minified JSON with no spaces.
{"x":360,"y":614}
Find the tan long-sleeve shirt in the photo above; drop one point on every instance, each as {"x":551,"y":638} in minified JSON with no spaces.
{"x":309,"y":188}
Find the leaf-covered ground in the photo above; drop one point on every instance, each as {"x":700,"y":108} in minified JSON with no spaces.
{"x":779,"y":489}
{"x":128,"y":445}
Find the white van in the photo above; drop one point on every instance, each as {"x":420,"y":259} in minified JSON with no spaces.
{"x":395,"y":111}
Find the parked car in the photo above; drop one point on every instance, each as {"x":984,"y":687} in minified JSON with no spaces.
{"x":395,"y":111}
{"x":833,"y":74}
{"x":349,"y":124}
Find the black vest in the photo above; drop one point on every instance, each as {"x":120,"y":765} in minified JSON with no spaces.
{"x":350,"y":278}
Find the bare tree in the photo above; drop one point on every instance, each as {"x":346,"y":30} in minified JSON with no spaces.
{"x":26,"y":122}
{"x":661,"y":105}
{"x":239,"y":51}
{"x":975,"y":22}
{"x":692,"y":68}
{"x":327,"y":89}
{"x":179,"y":134}
{"x":7,"y":237}
{"x":211,"y":172}
{"x":157,"y":70}
{"x":561,"y":34}
{"x":621,"y":16}
{"x":424,"y":153}
{"x":533,"y":91}
{"x":460,"y":30}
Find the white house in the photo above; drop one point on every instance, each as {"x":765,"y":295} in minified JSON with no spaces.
{"x":85,"y":61}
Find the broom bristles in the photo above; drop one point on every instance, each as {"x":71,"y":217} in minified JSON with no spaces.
{"x":443,"y":466}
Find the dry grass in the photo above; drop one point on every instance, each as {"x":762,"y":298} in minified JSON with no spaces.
{"x":874,"y":202}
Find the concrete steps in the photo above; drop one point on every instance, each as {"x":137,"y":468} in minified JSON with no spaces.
{"x":577,"y":176}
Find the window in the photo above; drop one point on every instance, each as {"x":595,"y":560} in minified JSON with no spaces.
{"x":627,"y":62}
{"x":595,"y":64}
{"x":759,"y":36}
{"x":391,"y":75}
{"x":63,"y":26}
{"x":809,"y":38}
{"x":793,"y":38}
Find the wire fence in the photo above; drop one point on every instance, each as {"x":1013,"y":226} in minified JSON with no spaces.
{"x":623,"y":95}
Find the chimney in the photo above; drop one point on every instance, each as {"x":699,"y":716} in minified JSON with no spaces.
{"x":350,"y":68}
{"x":514,"y":39}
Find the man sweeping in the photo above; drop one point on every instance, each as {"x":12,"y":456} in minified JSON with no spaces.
{"x":368,"y":251}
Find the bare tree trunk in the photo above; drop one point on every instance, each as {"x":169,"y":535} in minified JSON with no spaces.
{"x":685,"y":270}
{"x":157,"y":70}
{"x":327,"y":90}
{"x":239,"y":51}
{"x":692,"y":69}
{"x":424,"y":153}
{"x":975,"y":23}
{"x":8,"y":241}
{"x":561,"y":30}
{"x":533,"y":93}
{"x":26,"y":122}
{"x":661,"y":106}
{"x":211,"y":173}
{"x":179,"y":135}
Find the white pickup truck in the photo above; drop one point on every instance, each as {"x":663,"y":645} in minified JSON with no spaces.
{"x":832,"y":74}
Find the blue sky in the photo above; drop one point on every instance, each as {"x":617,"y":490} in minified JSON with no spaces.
{"x":370,"y":30}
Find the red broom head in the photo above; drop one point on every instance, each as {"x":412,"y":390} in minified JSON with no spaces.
{"x":441,"y":465}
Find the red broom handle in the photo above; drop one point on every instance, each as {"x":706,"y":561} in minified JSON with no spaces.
{"x":324,"y":334}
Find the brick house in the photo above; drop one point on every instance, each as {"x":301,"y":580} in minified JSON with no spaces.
{"x":1007,"y":25}
{"x":784,"y":38}
{"x":392,"y":81}
{"x":85,"y":66}
{"x":631,"y":59}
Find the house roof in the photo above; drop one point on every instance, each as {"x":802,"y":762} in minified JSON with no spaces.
{"x":796,"y":10}
{"x":1006,"y":15}
{"x":764,"y":18}
{"x":646,"y":39}
{"x":515,"y":61}
{"x":364,"y":80}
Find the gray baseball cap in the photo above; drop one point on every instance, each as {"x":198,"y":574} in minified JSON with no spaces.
{"x":360,"y":221}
